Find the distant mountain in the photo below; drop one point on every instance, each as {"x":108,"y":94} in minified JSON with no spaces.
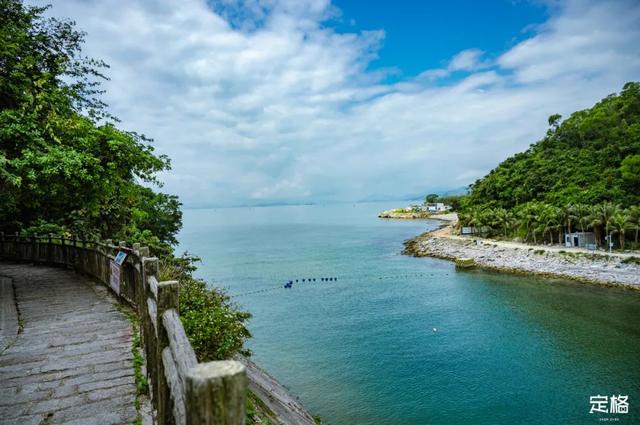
{"x":591,"y":157}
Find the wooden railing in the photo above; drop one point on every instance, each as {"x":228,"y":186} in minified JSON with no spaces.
{"x":182,"y":390}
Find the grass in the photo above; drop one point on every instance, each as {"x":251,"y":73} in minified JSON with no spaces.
{"x":140,"y":379}
{"x":257,"y":412}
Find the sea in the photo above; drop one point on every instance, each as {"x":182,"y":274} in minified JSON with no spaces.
{"x":366,"y":335}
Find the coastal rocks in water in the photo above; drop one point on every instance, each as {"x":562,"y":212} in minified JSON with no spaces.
{"x":465,"y":263}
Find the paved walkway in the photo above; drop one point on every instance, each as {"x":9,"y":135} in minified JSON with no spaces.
{"x":71,"y":360}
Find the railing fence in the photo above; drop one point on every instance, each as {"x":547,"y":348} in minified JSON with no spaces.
{"x":182,"y":391}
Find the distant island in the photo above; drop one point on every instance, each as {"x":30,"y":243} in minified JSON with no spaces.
{"x":569,"y":206}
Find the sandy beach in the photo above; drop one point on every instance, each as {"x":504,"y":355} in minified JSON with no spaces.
{"x":597,"y":267}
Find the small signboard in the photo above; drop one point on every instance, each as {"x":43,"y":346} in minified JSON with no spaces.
{"x":114,"y":278}
{"x":121,"y":256}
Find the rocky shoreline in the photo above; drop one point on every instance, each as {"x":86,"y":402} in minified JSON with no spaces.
{"x":406,"y":215}
{"x":595,"y":268}
{"x":280,"y":406}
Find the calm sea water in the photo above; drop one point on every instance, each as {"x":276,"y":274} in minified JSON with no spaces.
{"x":363,"y":350}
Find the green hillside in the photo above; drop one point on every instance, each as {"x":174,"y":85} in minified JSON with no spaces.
{"x":591,"y":157}
{"x":584,"y":175}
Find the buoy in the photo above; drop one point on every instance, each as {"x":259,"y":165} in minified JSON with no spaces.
{"x":435,"y":329}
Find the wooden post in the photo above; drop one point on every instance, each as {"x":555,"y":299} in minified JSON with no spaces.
{"x":34,"y":245}
{"x":168,"y":298}
{"x":51,"y":257}
{"x":17,"y":246}
{"x":216,"y":393}
{"x":149,"y":332}
{"x":74,"y":251}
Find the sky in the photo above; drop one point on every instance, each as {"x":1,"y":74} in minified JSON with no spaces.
{"x":294,"y":101}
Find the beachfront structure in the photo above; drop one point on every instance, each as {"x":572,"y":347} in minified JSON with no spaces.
{"x":580,"y":240}
{"x":434,"y":207}
{"x":470,"y":230}
{"x":437,"y":207}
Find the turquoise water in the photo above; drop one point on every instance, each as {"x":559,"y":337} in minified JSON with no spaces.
{"x":363,"y":350}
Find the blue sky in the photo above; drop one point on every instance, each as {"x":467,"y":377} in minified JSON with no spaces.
{"x":268,"y":101}
{"x":421,"y":35}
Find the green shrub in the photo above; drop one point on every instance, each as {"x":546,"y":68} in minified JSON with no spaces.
{"x":215,"y":327}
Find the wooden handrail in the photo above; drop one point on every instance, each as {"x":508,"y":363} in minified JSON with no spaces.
{"x":183,"y":391}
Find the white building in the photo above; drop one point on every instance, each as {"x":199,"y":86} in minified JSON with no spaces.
{"x":437,"y":207}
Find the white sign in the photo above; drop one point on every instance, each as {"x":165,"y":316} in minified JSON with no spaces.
{"x":114,"y":279}
{"x":605,"y":404}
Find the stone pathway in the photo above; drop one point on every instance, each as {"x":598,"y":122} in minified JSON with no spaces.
{"x":71,"y":361}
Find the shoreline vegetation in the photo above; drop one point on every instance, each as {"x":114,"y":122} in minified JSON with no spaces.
{"x":551,"y":261}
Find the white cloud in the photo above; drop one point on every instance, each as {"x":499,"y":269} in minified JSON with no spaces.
{"x":257,"y":100}
{"x":467,"y":60}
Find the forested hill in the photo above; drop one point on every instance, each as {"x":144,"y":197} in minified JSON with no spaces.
{"x":591,"y":157}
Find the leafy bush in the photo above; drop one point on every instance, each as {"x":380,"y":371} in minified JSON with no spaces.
{"x":215,"y":327}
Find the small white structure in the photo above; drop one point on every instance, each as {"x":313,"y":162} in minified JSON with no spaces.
{"x":580,"y":240}
{"x":437,"y":207}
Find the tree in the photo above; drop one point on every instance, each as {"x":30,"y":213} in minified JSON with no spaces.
{"x":504,"y":218}
{"x":581,"y":214}
{"x":595,"y":221}
{"x":568,"y":214}
{"x":607,"y":211}
{"x":630,"y":171}
{"x":63,"y":161}
{"x":554,"y":121}
{"x":431,"y":198}
{"x":634,"y":220}
{"x":620,"y":224}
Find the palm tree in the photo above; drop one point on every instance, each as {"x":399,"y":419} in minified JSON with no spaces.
{"x":607,"y":210}
{"x":595,"y":221}
{"x":475,"y":218}
{"x":529,"y":217}
{"x":619,"y":223}
{"x":550,"y":219}
{"x":568,"y":214}
{"x":581,"y":214}
{"x":504,"y":219}
{"x":634,"y":219}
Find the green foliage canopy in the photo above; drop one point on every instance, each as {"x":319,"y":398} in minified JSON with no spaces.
{"x":63,"y":161}
{"x":592,"y":157}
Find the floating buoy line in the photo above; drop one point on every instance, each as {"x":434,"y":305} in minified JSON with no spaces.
{"x":290,"y":283}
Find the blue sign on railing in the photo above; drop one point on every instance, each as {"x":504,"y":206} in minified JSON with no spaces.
{"x":121,"y":256}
